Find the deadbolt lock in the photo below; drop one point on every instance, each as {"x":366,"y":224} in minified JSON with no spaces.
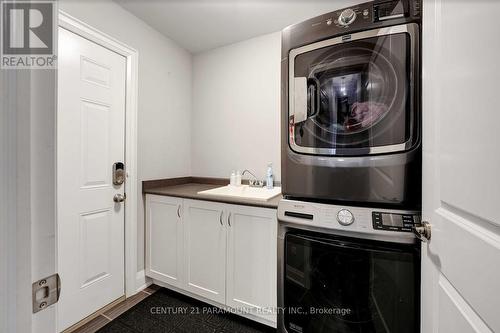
{"x":118,"y":173}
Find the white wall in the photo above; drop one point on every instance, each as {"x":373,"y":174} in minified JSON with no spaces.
{"x":236,"y":108}
{"x":164,"y":137}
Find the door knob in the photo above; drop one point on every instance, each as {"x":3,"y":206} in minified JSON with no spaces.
{"x":119,"y":197}
{"x":423,"y":231}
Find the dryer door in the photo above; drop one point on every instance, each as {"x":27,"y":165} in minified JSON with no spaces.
{"x":340,"y":284}
{"x":355,"y":94}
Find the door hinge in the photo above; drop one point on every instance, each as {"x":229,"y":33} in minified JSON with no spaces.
{"x":45,"y":292}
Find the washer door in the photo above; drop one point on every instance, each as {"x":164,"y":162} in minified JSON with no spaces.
{"x":354,"y":97}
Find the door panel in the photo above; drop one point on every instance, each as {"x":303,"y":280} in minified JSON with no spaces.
{"x":466,"y":252}
{"x":90,"y":138}
{"x":95,"y":238}
{"x":251,"y":260}
{"x":164,"y":239}
{"x":205,"y":249}
{"x":456,"y":315}
{"x":461,"y":186}
{"x":94,"y":72}
{"x":470,"y":121}
{"x":95,"y":144}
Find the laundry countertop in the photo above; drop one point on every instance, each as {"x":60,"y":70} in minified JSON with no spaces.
{"x":188,"y":187}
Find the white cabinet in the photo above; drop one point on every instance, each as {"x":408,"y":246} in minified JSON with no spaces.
{"x":205,"y":244}
{"x":251,"y":260}
{"x":221,"y":252}
{"x":164,"y":239}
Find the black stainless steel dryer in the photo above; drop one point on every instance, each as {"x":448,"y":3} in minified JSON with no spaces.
{"x":347,"y":269}
{"x":351,"y":106}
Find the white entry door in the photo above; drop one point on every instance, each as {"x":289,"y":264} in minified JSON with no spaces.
{"x":90,"y":138}
{"x":461,"y":160}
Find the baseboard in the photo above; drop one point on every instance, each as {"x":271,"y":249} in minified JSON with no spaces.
{"x":141,"y":281}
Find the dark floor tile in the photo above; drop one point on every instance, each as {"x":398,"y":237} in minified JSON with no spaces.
{"x":190,"y":326}
{"x":153,"y":312}
{"x":168,"y":311}
{"x":145,"y":325}
{"x":234,"y":323}
{"x":244,"y":329}
{"x":117,"y":327}
{"x":92,"y":326}
{"x":183,"y":306}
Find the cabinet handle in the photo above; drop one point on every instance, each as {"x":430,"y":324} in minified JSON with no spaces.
{"x":229,"y":219}
{"x":179,"y":210}
{"x":220,"y":218}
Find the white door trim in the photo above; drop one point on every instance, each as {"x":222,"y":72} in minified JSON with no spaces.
{"x":78,"y":27}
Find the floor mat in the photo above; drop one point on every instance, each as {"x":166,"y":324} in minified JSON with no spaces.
{"x":167,"y":311}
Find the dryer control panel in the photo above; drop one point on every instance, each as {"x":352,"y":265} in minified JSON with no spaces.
{"x":394,"y":221}
{"x":373,"y":223}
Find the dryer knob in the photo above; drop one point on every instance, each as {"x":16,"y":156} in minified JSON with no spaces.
{"x":347,"y":17}
{"x":345,"y":217}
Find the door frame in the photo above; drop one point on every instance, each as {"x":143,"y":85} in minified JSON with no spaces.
{"x":131,"y":55}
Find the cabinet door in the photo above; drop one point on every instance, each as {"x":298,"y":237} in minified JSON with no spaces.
{"x":205,"y":248}
{"x":252,"y":260}
{"x":164,"y":239}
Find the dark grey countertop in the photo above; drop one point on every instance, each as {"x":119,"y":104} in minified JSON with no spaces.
{"x":190,"y":190}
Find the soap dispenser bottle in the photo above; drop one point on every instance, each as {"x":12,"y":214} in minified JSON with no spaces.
{"x":269,"y":176}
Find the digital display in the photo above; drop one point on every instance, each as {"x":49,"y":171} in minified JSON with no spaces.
{"x":392,"y":220}
{"x":389,"y":10}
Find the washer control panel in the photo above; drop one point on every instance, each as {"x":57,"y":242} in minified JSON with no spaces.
{"x":394,"y":222}
{"x":362,"y":16}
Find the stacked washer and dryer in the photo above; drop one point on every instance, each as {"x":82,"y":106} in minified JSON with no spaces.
{"x":348,"y":259}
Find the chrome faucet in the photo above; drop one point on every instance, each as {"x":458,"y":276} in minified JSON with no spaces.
{"x":253,"y":182}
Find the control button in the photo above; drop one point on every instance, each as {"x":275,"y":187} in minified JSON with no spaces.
{"x":345,"y":217}
{"x":347,"y":17}
{"x":366,"y":12}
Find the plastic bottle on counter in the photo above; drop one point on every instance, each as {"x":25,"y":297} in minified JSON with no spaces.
{"x":269,"y":177}
{"x":238,"y":178}
{"x":232,"y":179}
